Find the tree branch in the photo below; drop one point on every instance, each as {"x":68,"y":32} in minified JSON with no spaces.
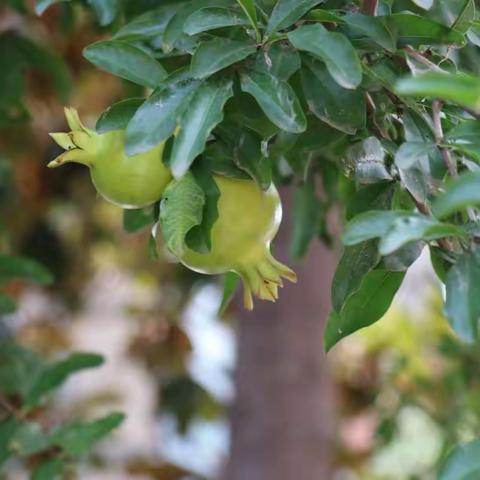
{"x":438,"y":130}
{"x":369,"y":7}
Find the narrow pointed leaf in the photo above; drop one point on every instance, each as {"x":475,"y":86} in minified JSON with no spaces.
{"x":277,"y":99}
{"x":214,"y":55}
{"x":334,"y":49}
{"x":126,"y":61}
{"x":204,"y":112}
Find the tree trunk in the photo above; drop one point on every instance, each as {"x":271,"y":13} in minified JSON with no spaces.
{"x":282,"y":415}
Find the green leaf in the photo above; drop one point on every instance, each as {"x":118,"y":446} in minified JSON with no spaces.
{"x":217,"y":54}
{"x":135,"y":220}
{"x":7,"y":305}
{"x":366,"y":160}
{"x":78,"y":438}
{"x":339,"y":107}
{"x":459,"y":194}
{"x":105,"y":10}
{"x":55,"y":374}
{"x":457,"y":88}
{"x":156,"y":120}
{"x":280,"y":60}
{"x":230,"y":285}
{"x":126,"y":61}
{"x":306,"y":221}
{"x":42,"y":5}
{"x":371,"y":27}
{"x":248,"y":6}
{"x":117,"y":116}
{"x":334,"y":49}
{"x":287,"y":12}
{"x":419,"y":30}
{"x":204,"y":112}
{"x":465,"y":137}
{"x":462,"y":304}
{"x":277,"y":99}
{"x":365,"y":307}
{"x":210,"y":18}
{"x":181,"y":209}
{"x":49,"y":470}
{"x":29,"y":439}
{"x":414,"y":227}
{"x":466,"y":17}
{"x":354,"y":265}
{"x":12,"y":268}
{"x":462,"y":463}
{"x":8,"y":427}
{"x":411,"y":153}
{"x":199,"y":237}
{"x":369,"y":225}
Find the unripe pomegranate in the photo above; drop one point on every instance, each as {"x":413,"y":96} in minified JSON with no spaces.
{"x":248,"y":220}
{"x":129,"y":182}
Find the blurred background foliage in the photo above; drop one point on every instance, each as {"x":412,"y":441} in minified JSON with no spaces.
{"x":406,"y":389}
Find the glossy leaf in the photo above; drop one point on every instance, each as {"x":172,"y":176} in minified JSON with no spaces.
{"x":466,"y":16}
{"x":371,"y":27}
{"x":138,"y":219}
{"x":277,"y":99}
{"x":341,"y":108}
{"x":458,"y":88}
{"x":248,"y":7}
{"x":365,"y":307}
{"x":210,"y":18}
{"x":12,"y":268}
{"x":118,"y":115}
{"x":410,"y":153}
{"x":204,"y":112}
{"x":459,"y":194}
{"x":334,"y":49}
{"x":126,"y":61}
{"x":105,"y":10}
{"x":181,"y":209}
{"x":280,"y":60}
{"x":462,"y":305}
{"x":287,"y":12}
{"x":217,"y":54}
{"x":156,"y":120}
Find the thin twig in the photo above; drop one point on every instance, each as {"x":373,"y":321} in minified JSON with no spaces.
{"x":422,"y":59}
{"x":438,"y":130}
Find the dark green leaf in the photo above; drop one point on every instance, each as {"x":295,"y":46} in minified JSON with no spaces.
{"x":460,"y":193}
{"x":198,"y":237}
{"x":55,"y":374}
{"x":420,"y":30}
{"x":365,"y":307}
{"x":308,"y":212}
{"x":280,"y":60}
{"x":29,"y":438}
{"x":339,"y":107}
{"x":230,"y":284}
{"x":371,"y":27}
{"x":277,"y":99}
{"x":135,"y":220}
{"x":78,"y":438}
{"x":334,"y":49}
{"x":49,"y":470}
{"x":287,"y":12}
{"x":126,"y":61}
{"x":462,"y":305}
{"x":248,"y":7}
{"x":410,"y":153}
{"x":117,"y":116}
{"x":158,"y":117}
{"x":466,"y":16}
{"x":181,"y":209}
{"x":12,"y":268}
{"x":217,"y":54}
{"x":210,"y":18}
{"x":204,"y":112}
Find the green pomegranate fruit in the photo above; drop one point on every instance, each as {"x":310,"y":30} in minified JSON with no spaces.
{"x":248,"y":220}
{"x":130,"y":182}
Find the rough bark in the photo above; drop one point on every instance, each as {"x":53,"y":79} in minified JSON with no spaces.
{"x":282,"y":416}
